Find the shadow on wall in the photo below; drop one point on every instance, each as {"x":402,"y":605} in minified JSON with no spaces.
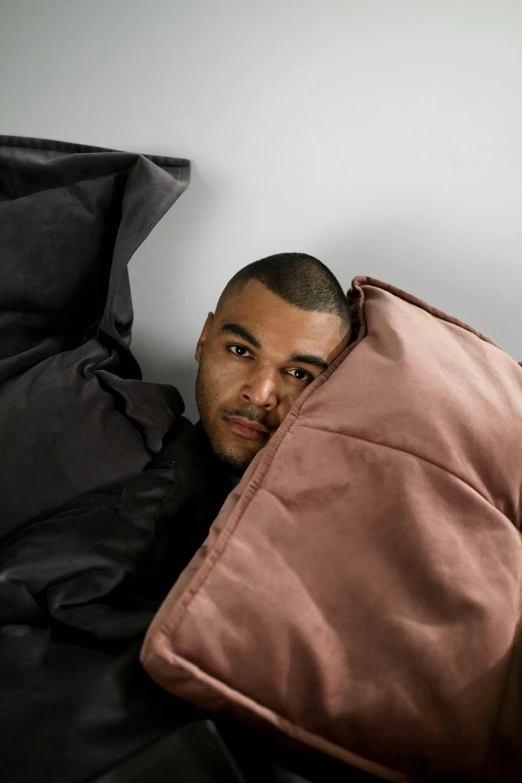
{"x":160,"y":362}
{"x":160,"y":273}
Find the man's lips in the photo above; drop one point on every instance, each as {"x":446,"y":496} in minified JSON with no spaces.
{"x":247,"y":429}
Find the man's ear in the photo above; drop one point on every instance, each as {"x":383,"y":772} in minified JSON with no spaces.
{"x":204,"y":335}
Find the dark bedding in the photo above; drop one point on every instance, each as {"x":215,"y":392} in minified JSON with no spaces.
{"x":74,"y":413}
{"x":78,"y":589}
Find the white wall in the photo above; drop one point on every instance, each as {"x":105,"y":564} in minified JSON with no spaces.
{"x":384,"y":136}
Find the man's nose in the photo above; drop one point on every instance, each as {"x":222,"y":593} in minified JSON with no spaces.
{"x":261,"y":390}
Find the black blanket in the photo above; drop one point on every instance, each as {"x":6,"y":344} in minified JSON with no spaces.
{"x":74,"y":413}
{"x":78,"y":589}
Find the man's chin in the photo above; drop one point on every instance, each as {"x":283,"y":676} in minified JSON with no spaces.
{"x":235,"y":458}
{"x":230,"y":448}
{"x":236,"y":455}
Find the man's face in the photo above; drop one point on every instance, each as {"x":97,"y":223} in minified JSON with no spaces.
{"x":256,"y":355}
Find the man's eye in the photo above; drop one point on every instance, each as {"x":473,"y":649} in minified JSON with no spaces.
{"x":239,"y":348}
{"x":301,"y":375}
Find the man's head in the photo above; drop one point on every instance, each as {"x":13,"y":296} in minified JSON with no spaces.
{"x":278,"y":324}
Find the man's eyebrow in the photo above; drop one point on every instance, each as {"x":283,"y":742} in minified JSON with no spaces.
{"x":316,"y":361}
{"x":241,"y":331}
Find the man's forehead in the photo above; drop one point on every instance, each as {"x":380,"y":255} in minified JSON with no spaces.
{"x":257,"y":305}
{"x":277,"y":324}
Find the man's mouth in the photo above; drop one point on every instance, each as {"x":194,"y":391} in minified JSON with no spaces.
{"x":248,"y":430}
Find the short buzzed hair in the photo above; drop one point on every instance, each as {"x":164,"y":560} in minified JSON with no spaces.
{"x":299,"y":279}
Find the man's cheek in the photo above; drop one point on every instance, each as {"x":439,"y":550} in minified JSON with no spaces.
{"x":230,"y":382}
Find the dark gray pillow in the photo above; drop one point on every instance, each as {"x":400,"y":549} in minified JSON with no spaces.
{"x":74,"y":412}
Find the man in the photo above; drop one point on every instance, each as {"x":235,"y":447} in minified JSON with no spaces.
{"x":279,"y":323}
